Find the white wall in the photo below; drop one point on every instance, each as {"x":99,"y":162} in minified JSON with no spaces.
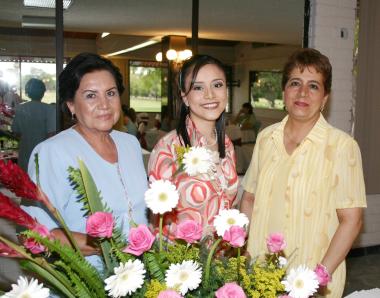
{"x":328,"y":19}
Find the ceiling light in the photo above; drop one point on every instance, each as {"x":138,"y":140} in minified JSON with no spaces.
{"x":46,"y":3}
{"x":159,"y":56}
{"x":134,"y":48}
{"x":177,"y":51}
{"x":38,"y":22}
{"x":104,"y":34}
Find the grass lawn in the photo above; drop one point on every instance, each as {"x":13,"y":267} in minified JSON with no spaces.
{"x":145,"y":105}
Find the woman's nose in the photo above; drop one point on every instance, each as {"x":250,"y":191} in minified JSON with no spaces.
{"x":208,"y":93}
{"x":303,"y":90}
{"x":103,"y":102}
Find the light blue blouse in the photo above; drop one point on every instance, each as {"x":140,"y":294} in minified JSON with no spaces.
{"x":63,"y":150}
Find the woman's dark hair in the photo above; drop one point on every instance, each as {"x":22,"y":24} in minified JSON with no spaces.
{"x":35,"y":89}
{"x":71,"y":76}
{"x":190,"y":68}
{"x":305,"y":58}
{"x":248,"y":106}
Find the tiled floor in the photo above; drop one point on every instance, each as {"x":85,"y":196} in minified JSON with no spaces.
{"x":363,"y":273}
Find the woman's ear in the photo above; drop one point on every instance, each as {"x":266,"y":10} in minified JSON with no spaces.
{"x":184,"y":98}
{"x":70,"y":106}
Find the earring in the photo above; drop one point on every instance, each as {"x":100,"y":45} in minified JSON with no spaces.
{"x":72,"y":116}
{"x":322,"y":108}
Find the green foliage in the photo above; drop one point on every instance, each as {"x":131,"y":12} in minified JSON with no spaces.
{"x":178,"y":252}
{"x":72,"y":260}
{"x":155,"y":265}
{"x":62,"y":284}
{"x":154,"y":287}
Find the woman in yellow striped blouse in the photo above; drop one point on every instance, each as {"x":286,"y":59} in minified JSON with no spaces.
{"x":305,"y":178}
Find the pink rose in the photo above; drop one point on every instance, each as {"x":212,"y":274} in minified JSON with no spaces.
{"x":235,"y":236}
{"x":32,"y":245}
{"x":276,"y":242}
{"x":230,"y":290}
{"x":100,"y":225}
{"x":189,"y":230}
{"x":169,"y":294}
{"x":140,"y":240}
{"x":323,"y":275}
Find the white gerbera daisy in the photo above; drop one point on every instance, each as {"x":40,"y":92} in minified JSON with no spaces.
{"x":227,"y":218}
{"x":301,"y":282}
{"x":128,"y":278}
{"x":184,"y":277}
{"x":197,"y":160}
{"x":25,"y":289}
{"x":161,"y":197}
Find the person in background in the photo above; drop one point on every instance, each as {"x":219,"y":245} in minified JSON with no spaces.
{"x":130,"y":120}
{"x":90,"y":87}
{"x":203,"y":87}
{"x":34,"y":121}
{"x":305,"y":179}
{"x":247,"y":122}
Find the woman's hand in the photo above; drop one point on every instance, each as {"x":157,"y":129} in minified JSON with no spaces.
{"x":86,"y":243}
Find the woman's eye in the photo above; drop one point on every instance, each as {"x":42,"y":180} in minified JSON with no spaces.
{"x":314,"y":86}
{"x":197,"y":88}
{"x":294,"y":83}
{"x":111,"y":93}
{"x":90,"y":95}
{"x":218,"y":84}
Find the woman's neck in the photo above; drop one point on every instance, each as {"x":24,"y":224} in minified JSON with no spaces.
{"x":296,"y":131}
{"x":101,"y":142}
{"x":207,"y":129}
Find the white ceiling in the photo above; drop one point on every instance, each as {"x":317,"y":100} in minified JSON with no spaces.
{"x":269,"y":21}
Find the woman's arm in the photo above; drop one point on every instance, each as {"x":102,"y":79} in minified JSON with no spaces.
{"x":86,"y":244}
{"x":247,"y":202}
{"x":350,"y":222}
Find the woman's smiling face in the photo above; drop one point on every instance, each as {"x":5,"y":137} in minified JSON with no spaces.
{"x":207,"y":98}
{"x":96,"y":103}
{"x":304,"y":94}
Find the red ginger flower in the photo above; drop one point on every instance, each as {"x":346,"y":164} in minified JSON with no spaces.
{"x":6,"y":251}
{"x":13,"y":212}
{"x":18,"y":182}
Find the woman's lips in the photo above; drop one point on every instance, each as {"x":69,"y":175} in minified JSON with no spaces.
{"x":211,"y":106}
{"x":301,"y":104}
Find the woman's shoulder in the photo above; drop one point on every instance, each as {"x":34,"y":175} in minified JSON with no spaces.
{"x":339,"y":137}
{"x":60,"y":140}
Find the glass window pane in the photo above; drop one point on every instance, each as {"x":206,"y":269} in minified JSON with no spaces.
{"x":265,"y":90}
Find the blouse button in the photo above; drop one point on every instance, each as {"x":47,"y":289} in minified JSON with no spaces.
{"x":274,"y":158}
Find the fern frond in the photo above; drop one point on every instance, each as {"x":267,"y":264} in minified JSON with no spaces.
{"x":80,"y":287}
{"x":154,"y":267}
{"x":74,"y":260}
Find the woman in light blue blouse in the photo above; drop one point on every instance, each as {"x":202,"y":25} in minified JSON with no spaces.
{"x":89,"y":88}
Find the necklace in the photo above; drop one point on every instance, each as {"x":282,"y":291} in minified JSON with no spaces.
{"x":215,"y":140}
{"x":130,"y":216}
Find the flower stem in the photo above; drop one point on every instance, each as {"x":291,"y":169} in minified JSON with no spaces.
{"x":161,"y":221}
{"x":238,"y":265}
{"x":208,"y":263}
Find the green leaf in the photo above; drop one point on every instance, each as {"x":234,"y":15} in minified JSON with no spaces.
{"x":154,"y":267}
{"x":86,"y":272}
{"x":63,"y":288}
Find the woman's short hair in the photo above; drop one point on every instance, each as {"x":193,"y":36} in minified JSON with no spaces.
{"x":305,"y":58}
{"x":35,"y":89}
{"x":80,"y":65}
{"x":191,"y":67}
{"x":248,"y":106}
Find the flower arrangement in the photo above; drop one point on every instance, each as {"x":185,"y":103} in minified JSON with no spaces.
{"x":146,"y":265}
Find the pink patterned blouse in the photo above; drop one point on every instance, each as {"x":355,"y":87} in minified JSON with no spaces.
{"x":200,"y":198}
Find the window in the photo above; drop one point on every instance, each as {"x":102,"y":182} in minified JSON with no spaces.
{"x":265,"y":89}
{"x":16,"y":71}
{"x":148,"y":85}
